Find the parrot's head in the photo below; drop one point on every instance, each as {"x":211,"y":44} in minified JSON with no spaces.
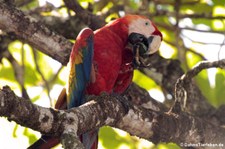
{"x":143,"y":35}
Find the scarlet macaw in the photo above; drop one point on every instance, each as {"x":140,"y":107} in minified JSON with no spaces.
{"x":103,"y":61}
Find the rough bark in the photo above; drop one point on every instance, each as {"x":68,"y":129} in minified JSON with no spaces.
{"x":114,"y":111}
{"x":28,"y":29}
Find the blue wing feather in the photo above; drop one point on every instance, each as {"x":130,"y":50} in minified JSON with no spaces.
{"x":82,"y":69}
{"x":80,"y":72}
{"x":89,"y":52}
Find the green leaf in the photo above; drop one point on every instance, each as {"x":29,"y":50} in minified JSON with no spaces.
{"x":143,"y":81}
{"x":192,"y":59}
{"x":218,"y":2}
{"x":30,"y":5}
{"x":167,"y":146}
{"x":14,"y":130}
{"x":31,"y":76}
{"x":215,"y":95}
{"x":197,"y":9}
{"x":109,"y":137}
{"x":218,"y":25}
{"x":219,"y":88}
{"x":218,"y":10}
{"x":30,"y":134}
{"x":117,"y":139}
{"x":133,"y":4}
{"x":99,"y":5}
{"x":6,"y":70}
{"x":203,"y":21}
{"x":204,"y":85}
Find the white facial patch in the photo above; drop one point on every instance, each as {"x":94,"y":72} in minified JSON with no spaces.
{"x":154,"y":46}
{"x":141,"y":26}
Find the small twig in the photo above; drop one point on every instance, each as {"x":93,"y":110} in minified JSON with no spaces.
{"x":200,"y":41}
{"x":185,"y":80}
{"x":55,"y":76}
{"x":42,"y":76}
{"x":93,"y":21}
{"x":201,"y":16}
{"x":18,"y":72}
{"x":24,"y":91}
{"x":203,"y":31}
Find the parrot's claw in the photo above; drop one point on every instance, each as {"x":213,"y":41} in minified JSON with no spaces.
{"x":139,"y":55}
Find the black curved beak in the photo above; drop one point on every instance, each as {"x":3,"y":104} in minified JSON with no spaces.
{"x":141,"y":48}
{"x":141,"y":41}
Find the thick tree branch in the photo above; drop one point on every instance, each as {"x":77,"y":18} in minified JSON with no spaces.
{"x":113,"y":111}
{"x":26,"y":28}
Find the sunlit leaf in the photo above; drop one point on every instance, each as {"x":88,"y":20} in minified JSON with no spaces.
{"x":204,"y":85}
{"x":167,"y":146}
{"x":99,"y":5}
{"x":15,"y":48}
{"x":218,"y":2}
{"x":14,"y":131}
{"x":218,"y":25}
{"x":31,"y":135}
{"x":219,"y":88}
{"x":198,"y":9}
{"x":192,"y":59}
{"x":111,"y":17}
{"x":168,"y":36}
{"x":133,"y":4}
{"x":143,"y":81}
{"x":167,"y":51}
{"x":202,"y":21}
{"x":31,"y":76}
{"x":218,"y":10}
{"x":6,"y":71}
{"x":108,"y":138}
{"x":118,"y":139}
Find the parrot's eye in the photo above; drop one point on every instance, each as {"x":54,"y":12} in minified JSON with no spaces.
{"x":146,"y":23}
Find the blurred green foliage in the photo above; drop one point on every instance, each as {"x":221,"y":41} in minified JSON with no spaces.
{"x":212,"y":85}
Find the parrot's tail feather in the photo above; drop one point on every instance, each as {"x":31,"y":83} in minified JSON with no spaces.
{"x":90,"y":139}
{"x":45,"y":142}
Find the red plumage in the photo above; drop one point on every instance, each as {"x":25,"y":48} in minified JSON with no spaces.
{"x":109,"y":46}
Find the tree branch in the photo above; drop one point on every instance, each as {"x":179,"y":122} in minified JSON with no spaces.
{"x":113,"y":111}
{"x":166,"y":72}
{"x":184,"y":84}
{"x":47,"y":41}
{"x":93,"y":21}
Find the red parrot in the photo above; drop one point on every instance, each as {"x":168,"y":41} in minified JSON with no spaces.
{"x":103,"y":61}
